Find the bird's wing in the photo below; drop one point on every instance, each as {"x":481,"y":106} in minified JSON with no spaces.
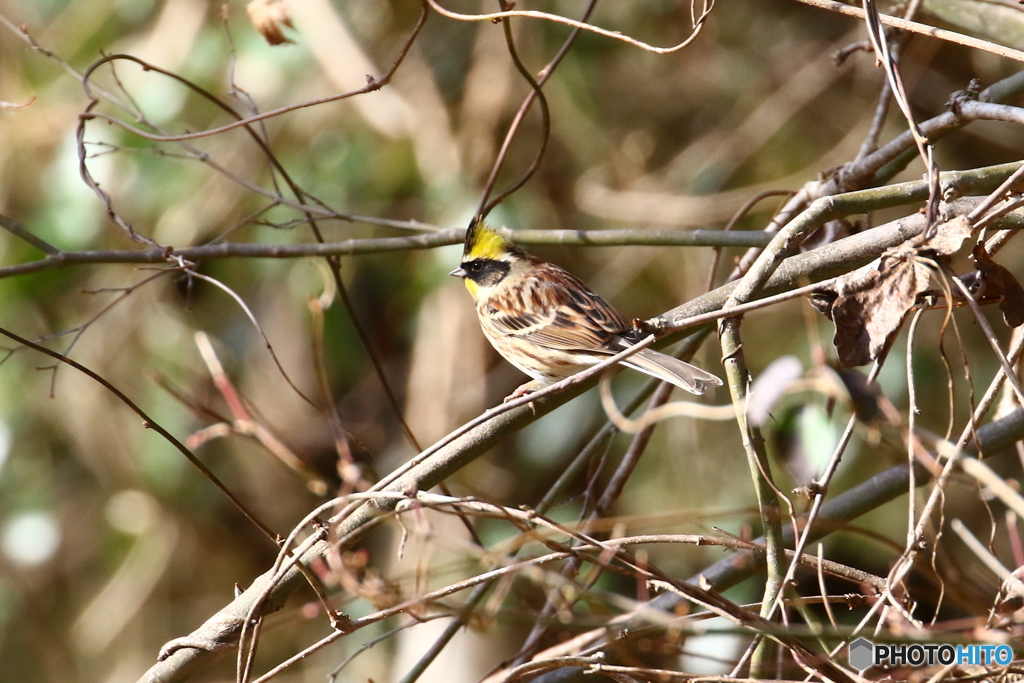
{"x":559,"y":312}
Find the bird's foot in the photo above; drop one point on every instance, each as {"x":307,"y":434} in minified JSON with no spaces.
{"x":523,"y":390}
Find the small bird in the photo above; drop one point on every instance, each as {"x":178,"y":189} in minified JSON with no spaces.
{"x":546,"y":322}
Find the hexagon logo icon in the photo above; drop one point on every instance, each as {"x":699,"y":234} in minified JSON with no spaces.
{"x":861,"y":654}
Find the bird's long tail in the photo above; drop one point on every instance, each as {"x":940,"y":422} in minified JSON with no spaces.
{"x":672,"y":370}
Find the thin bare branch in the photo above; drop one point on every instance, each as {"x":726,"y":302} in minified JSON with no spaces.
{"x":922,"y":29}
{"x":558,"y":19}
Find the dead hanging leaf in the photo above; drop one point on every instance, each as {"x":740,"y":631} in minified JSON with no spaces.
{"x":994,"y":282}
{"x":269,"y":17}
{"x":869,"y":304}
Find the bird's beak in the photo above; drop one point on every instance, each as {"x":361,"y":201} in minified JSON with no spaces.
{"x":458,"y":272}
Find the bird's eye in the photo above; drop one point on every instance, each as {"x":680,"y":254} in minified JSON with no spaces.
{"x":473,"y":266}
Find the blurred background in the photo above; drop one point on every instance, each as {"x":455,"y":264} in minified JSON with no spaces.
{"x":111,"y":543}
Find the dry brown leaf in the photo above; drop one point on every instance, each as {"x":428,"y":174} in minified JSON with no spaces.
{"x":948,"y":239}
{"x":269,"y":17}
{"x":869,"y":304}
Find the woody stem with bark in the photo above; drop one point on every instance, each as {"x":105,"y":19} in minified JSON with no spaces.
{"x":768,"y":503}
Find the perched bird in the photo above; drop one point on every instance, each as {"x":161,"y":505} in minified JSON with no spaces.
{"x":547,"y":323}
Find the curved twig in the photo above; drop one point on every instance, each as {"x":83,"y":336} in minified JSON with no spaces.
{"x":558,"y":19}
{"x":149,"y":423}
{"x":485,"y":206}
{"x":372,"y":85}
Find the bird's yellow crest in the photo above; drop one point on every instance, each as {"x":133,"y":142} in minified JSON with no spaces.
{"x":483,"y":242}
